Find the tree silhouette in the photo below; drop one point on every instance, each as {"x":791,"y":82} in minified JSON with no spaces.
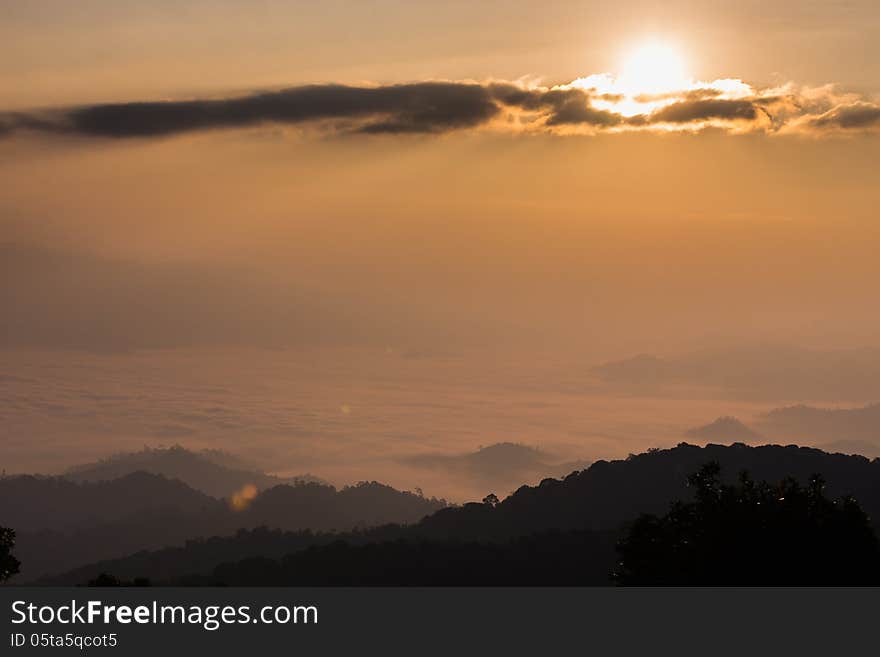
{"x":9,"y":565}
{"x":752,"y":533}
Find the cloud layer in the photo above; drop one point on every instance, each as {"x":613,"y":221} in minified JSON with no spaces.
{"x":598,"y":103}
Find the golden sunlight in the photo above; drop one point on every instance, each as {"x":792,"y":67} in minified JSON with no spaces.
{"x":649,"y":76}
{"x":652,"y":75}
{"x":653,"y":68}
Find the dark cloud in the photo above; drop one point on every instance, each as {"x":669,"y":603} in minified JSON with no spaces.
{"x":569,"y":109}
{"x":427,"y":107}
{"x":562,"y":106}
{"x":420,"y":108}
{"x":44,"y":122}
{"x":689,"y":111}
{"x":856,"y":116}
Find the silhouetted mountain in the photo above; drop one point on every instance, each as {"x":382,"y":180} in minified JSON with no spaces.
{"x":202,"y":555}
{"x":598,"y":500}
{"x":323,"y":508}
{"x":767,"y":371}
{"x":30,"y":502}
{"x":45,"y":551}
{"x":609,"y":493}
{"x":216,"y":473}
{"x":501,"y":466}
{"x":102,"y":519}
{"x":725,"y":429}
{"x":826,"y":425}
{"x":95,"y":521}
{"x":744,"y":534}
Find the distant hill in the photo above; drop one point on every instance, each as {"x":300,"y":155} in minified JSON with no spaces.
{"x":216,"y":473}
{"x":725,"y":429}
{"x":852,"y":447}
{"x":640,"y":370}
{"x":501,"y":467}
{"x":757,"y":371}
{"x":596,"y":502}
{"x":61,"y":523}
{"x":324,"y":508}
{"x":826,"y":425}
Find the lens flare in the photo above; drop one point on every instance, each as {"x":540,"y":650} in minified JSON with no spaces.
{"x":243,"y":497}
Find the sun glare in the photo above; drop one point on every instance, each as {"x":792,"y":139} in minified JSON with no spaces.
{"x":653,"y":68}
{"x":651,"y":75}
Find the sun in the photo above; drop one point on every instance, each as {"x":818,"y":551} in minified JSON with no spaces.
{"x":653,"y":68}
{"x":651,"y":75}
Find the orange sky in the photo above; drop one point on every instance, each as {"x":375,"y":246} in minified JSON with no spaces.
{"x":514,"y":206}
{"x":58,"y":52}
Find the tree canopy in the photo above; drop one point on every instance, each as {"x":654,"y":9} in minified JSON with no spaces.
{"x":752,"y":533}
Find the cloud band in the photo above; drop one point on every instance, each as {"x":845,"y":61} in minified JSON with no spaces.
{"x":439,"y":107}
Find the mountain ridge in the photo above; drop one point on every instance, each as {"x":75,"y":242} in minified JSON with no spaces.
{"x":592,"y":502}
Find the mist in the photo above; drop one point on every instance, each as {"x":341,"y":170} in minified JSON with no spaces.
{"x":342,"y":306}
